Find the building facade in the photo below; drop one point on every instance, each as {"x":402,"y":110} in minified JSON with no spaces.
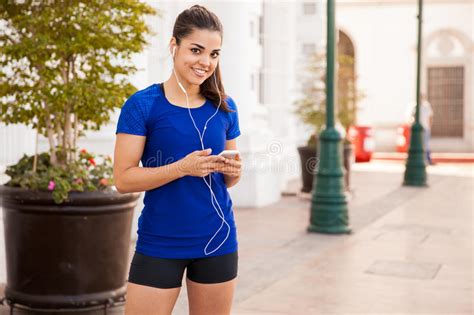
{"x":384,"y":36}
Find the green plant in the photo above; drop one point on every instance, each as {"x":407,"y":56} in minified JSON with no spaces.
{"x":86,"y":173}
{"x":311,"y":109}
{"x":64,"y":68}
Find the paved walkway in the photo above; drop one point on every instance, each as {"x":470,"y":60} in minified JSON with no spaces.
{"x":410,"y":251}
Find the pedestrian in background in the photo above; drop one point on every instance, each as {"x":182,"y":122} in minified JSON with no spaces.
{"x":426,"y":120}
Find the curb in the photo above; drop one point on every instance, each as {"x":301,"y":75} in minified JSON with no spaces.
{"x":436,"y":157}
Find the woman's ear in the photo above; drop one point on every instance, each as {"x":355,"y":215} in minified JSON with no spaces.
{"x":173,"y":46}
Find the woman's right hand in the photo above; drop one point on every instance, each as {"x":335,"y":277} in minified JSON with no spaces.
{"x":200,"y":163}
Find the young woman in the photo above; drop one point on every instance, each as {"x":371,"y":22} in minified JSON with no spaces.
{"x":177,"y":129}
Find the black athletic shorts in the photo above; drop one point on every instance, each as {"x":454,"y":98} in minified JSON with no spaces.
{"x":168,"y":273}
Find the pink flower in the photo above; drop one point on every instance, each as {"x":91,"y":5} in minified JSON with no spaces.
{"x":51,"y":185}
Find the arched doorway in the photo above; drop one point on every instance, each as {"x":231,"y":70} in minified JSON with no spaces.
{"x":347,"y":94}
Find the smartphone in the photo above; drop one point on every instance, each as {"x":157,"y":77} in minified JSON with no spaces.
{"x":230,"y":154}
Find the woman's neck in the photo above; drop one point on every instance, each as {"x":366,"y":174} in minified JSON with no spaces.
{"x":171,"y":86}
{"x":175,"y":95}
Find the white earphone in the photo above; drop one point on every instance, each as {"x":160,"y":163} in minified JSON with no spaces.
{"x":201,"y":139}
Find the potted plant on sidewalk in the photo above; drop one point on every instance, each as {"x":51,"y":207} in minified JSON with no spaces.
{"x":311,"y":109}
{"x":64,"y":70}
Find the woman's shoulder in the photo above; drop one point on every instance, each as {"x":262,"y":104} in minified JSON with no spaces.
{"x":231,"y":103}
{"x":146,"y":98}
{"x":145,"y":95}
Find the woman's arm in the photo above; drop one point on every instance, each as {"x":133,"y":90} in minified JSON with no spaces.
{"x":231,"y":180}
{"x":128,"y":176}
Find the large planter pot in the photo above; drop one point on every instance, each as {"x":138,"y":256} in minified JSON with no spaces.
{"x":349,"y":159}
{"x":309,"y":162}
{"x":308,"y":165}
{"x":70,"y":255}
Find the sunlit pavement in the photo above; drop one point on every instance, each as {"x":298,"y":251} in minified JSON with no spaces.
{"x":410,"y":251}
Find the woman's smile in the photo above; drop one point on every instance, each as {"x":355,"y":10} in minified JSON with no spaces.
{"x":199,"y":72}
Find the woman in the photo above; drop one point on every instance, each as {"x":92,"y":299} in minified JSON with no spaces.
{"x":176,"y":129}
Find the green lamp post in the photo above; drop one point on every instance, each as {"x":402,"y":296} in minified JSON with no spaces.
{"x":329,"y":205}
{"x":415,"y":169}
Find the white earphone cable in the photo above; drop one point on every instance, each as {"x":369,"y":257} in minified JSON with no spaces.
{"x":201,"y":139}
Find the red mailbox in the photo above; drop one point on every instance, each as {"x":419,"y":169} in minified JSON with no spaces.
{"x":362,"y":137}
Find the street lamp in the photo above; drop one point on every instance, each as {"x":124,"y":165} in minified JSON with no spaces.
{"x":329,"y":205}
{"x":415,"y":169}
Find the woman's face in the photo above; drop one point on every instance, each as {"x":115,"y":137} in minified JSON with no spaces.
{"x":197,"y":56}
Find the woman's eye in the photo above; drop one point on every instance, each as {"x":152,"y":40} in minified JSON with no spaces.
{"x":197,"y":51}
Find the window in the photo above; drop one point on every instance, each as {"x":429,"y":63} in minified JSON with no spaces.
{"x":260,"y":27}
{"x":446,"y":95}
{"x":309,"y":8}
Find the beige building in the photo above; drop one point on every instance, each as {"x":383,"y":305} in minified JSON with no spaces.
{"x":384,"y":37}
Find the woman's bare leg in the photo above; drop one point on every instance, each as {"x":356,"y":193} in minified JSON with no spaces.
{"x":215,"y":298}
{"x":145,"y":300}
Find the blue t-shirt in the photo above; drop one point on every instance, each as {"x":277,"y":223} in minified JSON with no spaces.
{"x":178,"y":218}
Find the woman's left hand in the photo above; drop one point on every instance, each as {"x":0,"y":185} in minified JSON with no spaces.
{"x":231,"y":167}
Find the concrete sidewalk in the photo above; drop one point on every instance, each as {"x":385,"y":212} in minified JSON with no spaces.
{"x":410,"y":251}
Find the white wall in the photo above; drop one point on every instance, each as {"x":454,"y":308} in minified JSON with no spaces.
{"x":280,"y":56}
{"x":310,"y":29}
{"x":243,"y":58}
